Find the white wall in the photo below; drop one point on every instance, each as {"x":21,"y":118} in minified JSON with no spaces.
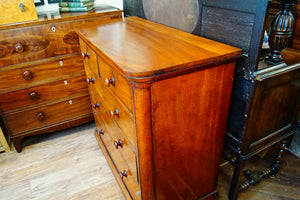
{"x":115,"y":3}
{"x":54,"y":6}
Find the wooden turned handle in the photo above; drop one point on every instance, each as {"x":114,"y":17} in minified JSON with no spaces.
{"x":90,"y":80}
{"x":27,"y":75}
{"x":34,"y":96}
{"x":123,"y":174}
{"x":41,"y":116}
{"x":95,"y":106}
{"x":101,"y":132}
{"x":115,"y":113}
{"x":86,"y":55}
{"x":118,"y":144}
{"x":19,"y":47}
{"x":110,"y":81}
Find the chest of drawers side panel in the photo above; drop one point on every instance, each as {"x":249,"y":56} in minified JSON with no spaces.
{"x":189,"y":122}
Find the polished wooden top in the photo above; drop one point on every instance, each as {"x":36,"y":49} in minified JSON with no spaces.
{"x":142,"y":48}
{"x":53,"y":16}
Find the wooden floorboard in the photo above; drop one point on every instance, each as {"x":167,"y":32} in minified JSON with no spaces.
{"x":70,"y":165}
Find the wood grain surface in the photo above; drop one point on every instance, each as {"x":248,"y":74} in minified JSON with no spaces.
{"x":157,"y":53}
{"x":180,"y":105}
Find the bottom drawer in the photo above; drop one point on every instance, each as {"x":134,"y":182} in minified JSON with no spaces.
{"x":124,"y":158}
{"x":37,"y":118}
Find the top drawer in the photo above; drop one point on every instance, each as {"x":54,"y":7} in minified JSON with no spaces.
{"x":89,"y":57}
{"x":115,"y":82}
{"x":29,"y":73}
{"x":23,"y":44}
{"x":35,"y":42}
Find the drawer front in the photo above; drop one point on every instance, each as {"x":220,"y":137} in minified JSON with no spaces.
{"x":47,"y":115}
{"x":124,"y":158}
{"x":115,"y":110}
{"x":23,"y":44}
{"x":24,"y":74}
{"x":32,"y":96}
{"x":32,"y":43}
{"x":117,"y":83}
{"x":89,"y":57}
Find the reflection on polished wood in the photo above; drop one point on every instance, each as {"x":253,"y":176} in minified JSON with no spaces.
{"x":70,"y":165}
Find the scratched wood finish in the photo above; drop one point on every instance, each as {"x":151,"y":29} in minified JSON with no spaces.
{"x":181,"y":94}
{"x":42,"y":81}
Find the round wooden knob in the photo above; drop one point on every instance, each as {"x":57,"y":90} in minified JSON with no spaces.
{"x":27,"y":75}
{"x":19,"y":47}
{"x":101,"y":132}
{"x":123,"y":174}
{"x":34,"y":96}
{"x":86,"y":55}
{"x":110,"y":81}
{"x":41,"y":116}
{"x":118,"y":144}
{"x":115,"y":113}
{"x":90,"y":80}
{"x":95,"y":106}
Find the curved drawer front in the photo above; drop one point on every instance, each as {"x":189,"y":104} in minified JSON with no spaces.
{"x":115,"y":109}
{"x":32,"y":96}
{"x":124,"y":158}
{"x":89,"y":57}
{"x":47,"y":115}
{"x":43,"y":41}
{"x":118,"y":112}
{"x":117,"y":83}
{"x":34,"y":43}
{"x":23,"y":74}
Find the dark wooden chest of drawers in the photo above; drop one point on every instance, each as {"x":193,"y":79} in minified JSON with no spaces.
{"x":160,"y":99}
{"x":42,"y":79}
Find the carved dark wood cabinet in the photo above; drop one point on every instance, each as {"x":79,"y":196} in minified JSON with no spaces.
{"x":264,"y":106}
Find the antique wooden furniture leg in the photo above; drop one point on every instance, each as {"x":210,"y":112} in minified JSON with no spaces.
{"x":17,"y":141}
{"x":239,"y":164}
{"x":255,"y":178}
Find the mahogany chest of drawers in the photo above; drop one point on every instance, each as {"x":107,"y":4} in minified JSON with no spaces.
{"x":160,"y":99}
{"x":42,"y":79}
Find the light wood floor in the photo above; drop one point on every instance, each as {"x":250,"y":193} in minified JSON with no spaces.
{"x":70,"y":165}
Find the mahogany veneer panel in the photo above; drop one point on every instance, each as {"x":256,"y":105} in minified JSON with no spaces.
{"x":42,"y":83}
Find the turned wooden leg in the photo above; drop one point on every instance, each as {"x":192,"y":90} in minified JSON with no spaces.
{"x":237,"y":174}
{"x":18,"y":143}
{"x":255,"y":178}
